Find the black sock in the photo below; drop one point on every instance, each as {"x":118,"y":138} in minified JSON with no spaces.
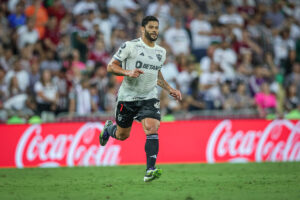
{"x":112,"y":130}
{"x":151,"y":149}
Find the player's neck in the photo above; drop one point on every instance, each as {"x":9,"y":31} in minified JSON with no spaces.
{"x":148,"y":42}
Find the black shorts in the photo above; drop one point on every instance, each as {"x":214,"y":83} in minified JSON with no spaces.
{"x":127,"y":111}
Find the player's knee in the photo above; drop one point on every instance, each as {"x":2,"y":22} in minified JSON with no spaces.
{"x":151,"y":129}
{"x":123,"y":136}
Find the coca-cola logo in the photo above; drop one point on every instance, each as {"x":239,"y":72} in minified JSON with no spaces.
{"x":38,"y":148}
{"x":279,"y":141}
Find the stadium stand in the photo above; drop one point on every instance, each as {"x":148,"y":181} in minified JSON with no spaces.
{"x":229,"y":58}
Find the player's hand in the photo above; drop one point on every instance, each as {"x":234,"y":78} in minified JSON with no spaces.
{"x":176,"y":94}
{"x":135,"y":73}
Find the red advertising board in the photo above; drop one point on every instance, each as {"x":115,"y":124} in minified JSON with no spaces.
{"x":73,"y":144}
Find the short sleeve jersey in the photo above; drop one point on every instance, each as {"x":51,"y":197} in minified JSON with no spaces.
{"x":136,"y":54}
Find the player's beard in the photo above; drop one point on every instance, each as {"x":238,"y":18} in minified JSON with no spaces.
{"x":148,"y":36}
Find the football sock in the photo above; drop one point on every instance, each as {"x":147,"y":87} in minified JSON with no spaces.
{"x":151,"y":149}
{"x":112,"y":130}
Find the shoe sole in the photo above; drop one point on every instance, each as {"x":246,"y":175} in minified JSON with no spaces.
{"x":103,"y":142}
{"x":155,"y":175}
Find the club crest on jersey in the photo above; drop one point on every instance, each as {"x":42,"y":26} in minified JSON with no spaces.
{"x":158,"y":56}
{"x":157,"y":105}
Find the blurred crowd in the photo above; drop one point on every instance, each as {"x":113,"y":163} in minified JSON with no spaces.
{"x":222,"y":54}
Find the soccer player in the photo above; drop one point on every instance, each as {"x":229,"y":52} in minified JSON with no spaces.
{"x":140,"y":61}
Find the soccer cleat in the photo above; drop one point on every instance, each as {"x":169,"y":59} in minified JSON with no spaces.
{"x":152,"y":174}
{"x":103,"y":140}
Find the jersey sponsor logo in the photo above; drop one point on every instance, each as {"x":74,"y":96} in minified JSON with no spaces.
{"x":140,"y":64}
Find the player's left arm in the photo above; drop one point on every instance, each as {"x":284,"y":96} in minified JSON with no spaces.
{"x":165,"y":85}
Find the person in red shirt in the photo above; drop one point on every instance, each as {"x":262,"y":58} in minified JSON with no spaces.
{"x":57,"y":10}
{"x":52,"y":34}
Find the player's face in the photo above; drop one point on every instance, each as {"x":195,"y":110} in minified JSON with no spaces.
{"x":151,"y":31}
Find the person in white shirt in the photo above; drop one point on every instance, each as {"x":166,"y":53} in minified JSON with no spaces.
{"x":201,"y":30}
{"x":84,"y":6}
{"x":27,"y":34}
{"x":231,"y":17}
{"x":283,"y":47}
{"x":46,"y":93}
{"x":226,"y":58}
{"x":178,"y":39}
{"x":122,"y":7}
{"x":234,"y":20}
{"x":162,"y":10}
{"x":209,"y":83}
{"x":21,"y":75}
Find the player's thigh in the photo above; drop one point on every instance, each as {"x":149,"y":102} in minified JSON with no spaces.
{"x":125,"y":113}
{"x":150,"y":125}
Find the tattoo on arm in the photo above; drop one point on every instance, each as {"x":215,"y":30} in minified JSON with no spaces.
{"x":162,"y":83}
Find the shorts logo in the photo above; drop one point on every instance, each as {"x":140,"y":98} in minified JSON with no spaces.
{"x":120,"y":117}
{"x":157,"y":105}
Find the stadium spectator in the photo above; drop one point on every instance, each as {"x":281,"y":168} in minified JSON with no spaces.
{"x":284,"y":50}
{"x":16,"y":98}
{"x":80,"y":37}
{"x":46,"y":93}
{"x":3,"y":86}
{"x":242,"y":98}
{"x":162,"y":10}
{"x":123,"y":8}
{"x":226,"y":58}
{"x":98,"y":54}
{"x":265,"y":100}
{"x":50,"y":63}
{"x":34,"y":75}
{"x":57,"y":10}
{"x":27,"y":34}
{"x":6,"y":57}
{"x":18,"y":17}
{"x":84,"y":6}
{"x":39,"y":14}
{"x":60,"y":80}
{"x":52,"y":34}
{"x":81,"y":101}
{"x":178,"y":39}
{"x":20,"y":74}
{"x":292,"y":99}
{"x":209,"y":85}
{"x":201,"y":30}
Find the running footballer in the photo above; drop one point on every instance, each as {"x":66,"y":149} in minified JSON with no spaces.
{"x":140,"y":61}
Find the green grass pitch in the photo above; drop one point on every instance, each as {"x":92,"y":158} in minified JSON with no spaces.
{"x":183,"y":182}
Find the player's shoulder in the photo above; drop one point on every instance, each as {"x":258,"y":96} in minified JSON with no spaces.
{"x":130,"y":43}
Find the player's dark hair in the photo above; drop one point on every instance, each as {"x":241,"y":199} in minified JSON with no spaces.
{"x":147,"y":19}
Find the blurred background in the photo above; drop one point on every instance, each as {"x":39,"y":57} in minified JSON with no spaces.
{"x":229,"y":58}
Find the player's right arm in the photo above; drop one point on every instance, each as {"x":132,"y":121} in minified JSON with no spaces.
{"x":120,"y":56}
{"x":114,"y":67}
